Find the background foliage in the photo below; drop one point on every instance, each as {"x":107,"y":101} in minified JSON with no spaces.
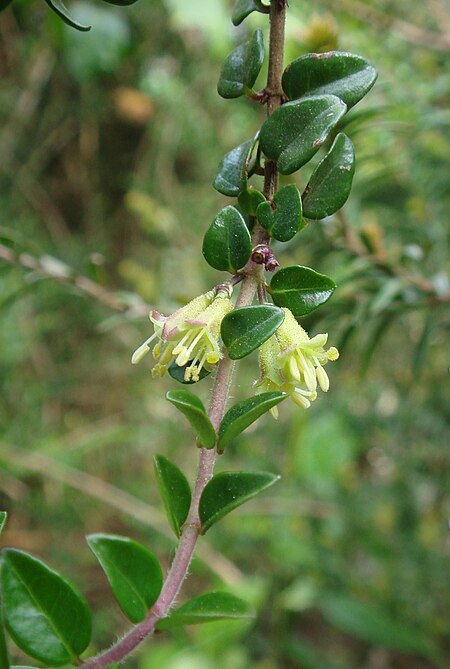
{"x":109,"y":142}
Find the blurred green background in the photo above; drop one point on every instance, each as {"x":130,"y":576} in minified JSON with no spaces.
{"x":109,"y":142}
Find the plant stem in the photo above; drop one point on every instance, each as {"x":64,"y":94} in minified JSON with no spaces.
{"x":219,"y":396}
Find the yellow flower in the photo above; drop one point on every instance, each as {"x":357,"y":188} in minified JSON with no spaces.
{"x":190,"y":335}
{"x":292,"y":362}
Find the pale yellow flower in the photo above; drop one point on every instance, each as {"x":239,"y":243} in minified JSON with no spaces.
{"x":190,"y":335}
{"x":292,"y":362}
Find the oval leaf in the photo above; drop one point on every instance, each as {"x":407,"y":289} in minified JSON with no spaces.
{"x":227,"y":244}
{"x":285,"y":220}
{"x":241,"y":67}
{"x":42,"y":610}
{"x":59,"y":8}
{"x":177,"y":373}
{"x":175,"y":492}
{"x":331,"y":181}
{"x":246,"y":328}
{"x":232,"y":174}
{"x":339,"y":73}
{"x":300,"y":289}
{"x":243,"y":8}
{"x":244,"y":413}
{"x":192,"y":407}
{"x":3,"y":517}
{"x":132,"y":570}
{"x":206,"y":609}
{"x":296,"y":130}
{"x":249,"y":200}
{"x":228,"y":490}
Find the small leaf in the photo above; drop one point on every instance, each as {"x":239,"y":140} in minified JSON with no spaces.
{"x":233,"y":170}
{"x":132,"y":570}
{"x":177,"y":373}
{"x":59,"y":8}
{"x":296,"y":130}
{"x":228,"y":490}
{"x":249,"y":200}
{"x":300,"y":289}
{"x":331,"y":181}
{"x":246,"y":328}
{"x":206,"y":609}
{"x":192,"y":407}
{"x":42,"y":610}
{"x":227,"y":244}
{"x":3,"y":517}
{"x":244,"y":413}
{"x":241,"y":67}
{"x":175,"y":492}
{"x":286,"y":220}
{"x":243,"y":8}
{"x":339,"y":73}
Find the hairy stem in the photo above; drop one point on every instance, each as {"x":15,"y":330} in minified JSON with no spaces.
{"x":219,"y":396}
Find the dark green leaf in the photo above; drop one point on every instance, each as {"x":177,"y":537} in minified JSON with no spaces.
{"x":192,"y":407}
{"x":228,"y":490}
{"x":339,"y":73}
{"x":374,"y":625}
{"x":296,"y":130}
{"x":244,"y":413}
{"x":175,"y":492}
{"x":206,"y":609}
{"x":47,"y":618}
{"x":232,"y":174}
{"x":243,"y":8}
{"x":132,"y":570}
{"x":300,"y":289}
{"x":3,"y":517}
{"x":59,"y":8}
{"x":177,"y":373}
{"x":241,"y":67}
{"x":331,"y":181}
{"x":286,"y":220}
{"x":227,"y":244}
{"x":246,"y":328}
{"x":249,"y":200}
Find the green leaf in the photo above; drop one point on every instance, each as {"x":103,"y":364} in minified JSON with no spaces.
{"x":244,"y":413}
{"x":227,"y":244}
{"x":175,"y":492}
{"x":286,"y":220}
{"x":300,"y":289}
{"x":46,"y":617}
{"x":177,"y":373}
{"x":331,"y":181}
{"x":233,"y":170}
{"x":246,"y":328}
{"x":228,"y":490}
{"x":249,"y":200}
{"x":243,"y":8}
{"x":59,"y":8}
{"x":3,"y":517}
{"x":206,"y":609}
{"x":120,"y":3}
{"x":192,"y":407}
{"x":241,"y":67}
{"x":339,"y":73}
{"x":296,"y":130}
{"x":132,"y":570}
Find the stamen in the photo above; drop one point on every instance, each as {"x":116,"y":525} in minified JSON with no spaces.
{"x":322,"y":377}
